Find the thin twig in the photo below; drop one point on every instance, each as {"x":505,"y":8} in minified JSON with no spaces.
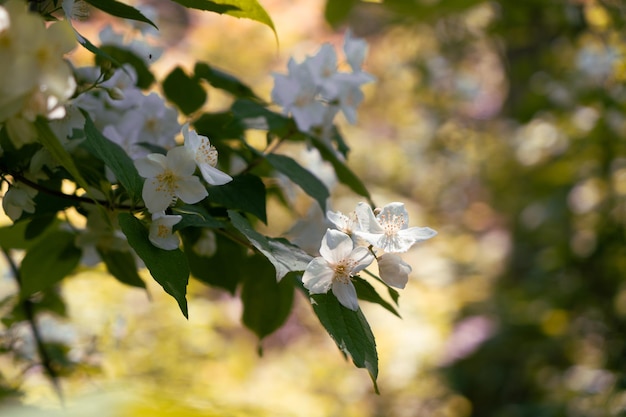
{"x":29,"y":312}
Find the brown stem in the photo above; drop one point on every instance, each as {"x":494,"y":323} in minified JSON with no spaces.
{"x":29,"y":312}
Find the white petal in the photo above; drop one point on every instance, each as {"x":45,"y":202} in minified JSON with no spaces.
{"x":181,"y":161}
{"x":367,"y":221}
{"x":214,"y":176}
{"x":318,"y":276}
{"x":156,"y":198}
{"x":346,"y":294}
{"x":362,"y":258}
{"x":393,"y":270}
{"x":336,"y":246}
{"x":190,"y":190}
{"x":394,"y":212}
{"x":150,"y":166}
{"x":417,"y":234}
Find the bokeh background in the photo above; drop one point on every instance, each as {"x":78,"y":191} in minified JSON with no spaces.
{"x":501,"y":124}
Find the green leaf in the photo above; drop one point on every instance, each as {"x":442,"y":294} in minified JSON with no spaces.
{"x":122,"y":266}
{"x":48,"y":262}
{"x":245,"y":192}
{"x":224,"y":269}
{"x":114,"y":157}
{"x":344,"y":174}
{"x":49,"y":141}
{"x":115,"y":8}
{"x":122,"y":56}
{"x":219,"y":126}
{"x":14,"y":236}
{"x":350,"y":331}
{"x":168,"y":267}
{"x":224,"y":81}
{"x":186,"y":92}
{"x":251,"y":112}
{"x":195,"y":216}
{"x":284,"y":256}
{"x":99,"y":53}
{"x":266,"y":303}
{"x":337,"y":11}
{"x":301,"y":176}
{"x":249,"y":9}
{"x":365,"y":291}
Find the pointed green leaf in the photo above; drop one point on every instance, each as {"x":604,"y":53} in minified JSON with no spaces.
{"x":301,"y":176}
{"x":224,"y":81}
{"x":337,"y":11}
{"x":284,"y":256}
{"x":168,"y":267}
{"x":218,"y":126}
{"x":186,"y":92}
{"x":365,"y":291}
{"x":115,"y":8}
{"x":245,"y":192}
{"x":49,"y":261}
{"x":344,"y":174}
{"x":114,"y":157}
{"x":249,"y":9}
{"x":224,"y":269}
{"x":85,"y":43}
{"x":350,"y":331}
{"x":49,"y":141}
{"x":122,"y":56}
{"x":249,"y":111}
{"x":266,"y":303}
{"x":122,"y":266}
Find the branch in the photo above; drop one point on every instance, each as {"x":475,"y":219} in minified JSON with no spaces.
{"x":29,"y":311}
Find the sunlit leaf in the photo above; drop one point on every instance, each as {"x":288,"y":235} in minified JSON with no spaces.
{"x":249,"y":9}
{"x":116,"y":8}
{"x":284,"y":256}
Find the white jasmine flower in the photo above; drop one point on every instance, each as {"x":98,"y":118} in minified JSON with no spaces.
{"x":205,"y":156}
{"x":389,"y":229}
{"x":168,"y":178}
{"x":393,"y":270}
{"x":339,"y":261}
{"x":161,"y":234}
{"x":17,"y":200}
{"x":298,"y":93}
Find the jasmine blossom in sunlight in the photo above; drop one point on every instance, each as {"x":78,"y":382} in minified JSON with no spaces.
{"x":334,"y":269}
{"x":389,"y":230}
{"x":205,"y":156}
{"x":161,"y":234}
{"x":169,"y":178}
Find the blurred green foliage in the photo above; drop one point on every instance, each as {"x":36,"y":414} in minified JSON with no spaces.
{"x":535,"y":146}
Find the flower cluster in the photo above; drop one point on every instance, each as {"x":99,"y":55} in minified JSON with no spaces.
{"x":361,"y":238}
{"x":314,"y":91}
{"x":171,"y":177}
{"x":35,"y":80}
